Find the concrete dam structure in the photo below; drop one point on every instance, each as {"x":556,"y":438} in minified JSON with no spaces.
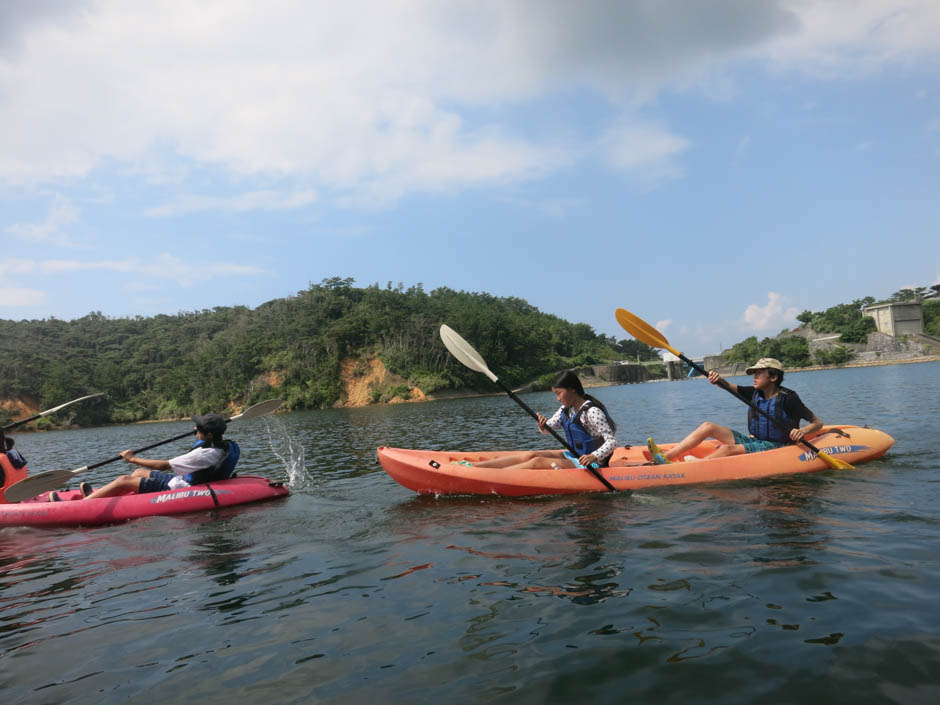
{"x":616,"y":374}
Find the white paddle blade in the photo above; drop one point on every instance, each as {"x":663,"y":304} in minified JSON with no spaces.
{"x":259,"y":409}
{"x":37,"y":484}
{"x":464,"y":352}
{"x":69,"y":403}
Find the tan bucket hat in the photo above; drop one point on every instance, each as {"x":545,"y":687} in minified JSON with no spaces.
{"x":764,"y":363}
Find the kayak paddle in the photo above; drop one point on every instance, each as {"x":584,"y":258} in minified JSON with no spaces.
{"x":51,"y":479}
{"x":48,"y":411}
{"x":469,"y":357}
{"x":645,"y":333}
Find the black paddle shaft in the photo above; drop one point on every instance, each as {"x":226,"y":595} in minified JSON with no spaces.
{"x":169,"y":440}
{"x":20,"y":422}
{"x":726,"y":385}
{"x":44,"y":413}
{"x":561,"y":440}
{"x":139,"y":450}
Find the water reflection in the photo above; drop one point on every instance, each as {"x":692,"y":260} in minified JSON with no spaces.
{"x":354,"y":585}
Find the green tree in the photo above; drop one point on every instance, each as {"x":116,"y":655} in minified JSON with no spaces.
{"x":792,"y":351}
{"x":910,"y":294}
{"x":748,"y":350}
{"x":832,"y":356}
{"x":932,"y":317}
{"x":845,"y":319}
{"x":632,"y":349}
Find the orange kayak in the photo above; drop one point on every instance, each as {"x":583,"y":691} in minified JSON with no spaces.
{"x":441,"y":472}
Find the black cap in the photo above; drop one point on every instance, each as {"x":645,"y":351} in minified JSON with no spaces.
{"x":210,"y":423}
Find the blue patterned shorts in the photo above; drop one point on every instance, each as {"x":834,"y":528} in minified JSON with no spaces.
{"x":577,"y":462}
{"x":573,"y":458}
{"x":157,"y":482}
{"x":753,"y":445}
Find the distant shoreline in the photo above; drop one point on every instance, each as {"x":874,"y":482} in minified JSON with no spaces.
{"x":597,"y":382}
{"x":588,"y":382}
{"x":594,"y":382}
{"x":873,"y":363}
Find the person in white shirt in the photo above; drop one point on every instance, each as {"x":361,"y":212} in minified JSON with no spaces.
{"x":211,"y":458}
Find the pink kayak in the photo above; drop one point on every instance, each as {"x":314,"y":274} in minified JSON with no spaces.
{"x":72,"y":510}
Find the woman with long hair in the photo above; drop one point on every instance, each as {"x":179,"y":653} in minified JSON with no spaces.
{"x":588,"y":429}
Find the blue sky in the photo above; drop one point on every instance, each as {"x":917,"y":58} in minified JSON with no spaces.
{"x":715,"y":167}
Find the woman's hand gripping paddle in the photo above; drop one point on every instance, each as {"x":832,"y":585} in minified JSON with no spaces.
{"x":52,"y":479}
{"x":469,"y":357}
{"x":645,"y":333}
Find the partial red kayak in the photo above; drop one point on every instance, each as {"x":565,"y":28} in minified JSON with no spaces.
{"x":72,"y":510}
{"x":441,"y":472}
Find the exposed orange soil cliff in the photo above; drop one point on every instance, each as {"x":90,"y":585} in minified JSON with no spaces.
{"x":366,"y":378}
{"x":20,"y":408}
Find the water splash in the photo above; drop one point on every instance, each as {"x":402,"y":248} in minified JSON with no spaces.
{"x":289,"y":451}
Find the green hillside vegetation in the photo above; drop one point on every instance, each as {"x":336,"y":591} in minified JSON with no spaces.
{"x":792,"y":350}
{"x":845,"y":319}
{"x":173,"y":366}
{"x":932,"y":317}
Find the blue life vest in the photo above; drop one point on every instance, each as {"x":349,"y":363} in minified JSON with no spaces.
{"x":222,"y":470}
{"x":763,"y":428}
{"x":578,"y":438}
{"x":16,"y":458}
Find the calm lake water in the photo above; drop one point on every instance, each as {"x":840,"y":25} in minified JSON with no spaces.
{"x":814,"y":588}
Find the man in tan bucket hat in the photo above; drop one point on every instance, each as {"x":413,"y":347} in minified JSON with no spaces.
{"x":783,"y":404}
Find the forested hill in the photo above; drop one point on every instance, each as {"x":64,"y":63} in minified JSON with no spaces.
{"x":847,"y":320}
{"x":173,"y":366}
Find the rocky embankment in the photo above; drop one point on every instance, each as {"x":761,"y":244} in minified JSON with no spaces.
{"x":878,"y":349}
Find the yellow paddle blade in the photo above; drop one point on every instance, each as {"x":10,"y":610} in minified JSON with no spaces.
{"x":643,"y":331}
{"x":835,"y":462}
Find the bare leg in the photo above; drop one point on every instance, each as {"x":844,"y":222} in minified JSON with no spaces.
{"x":706,"y":430}
{"x":725,"y":450}
{"x":518,"y":459}
{"x":122,"y":485}
{"x":545,"y":462}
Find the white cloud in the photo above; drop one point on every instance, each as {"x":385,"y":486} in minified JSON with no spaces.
{"x":16,"y":19}
{"x":61,"y":214}
{"x":771,"y":315}
{"x":17,"y":297}
{"x":370,"y":101}
{"x":267,"y":200}
{"x":841,"y":38}
{"x":138,"y":286}
{"x":662,"y":325}
{"x":163,"y":266}
{"x":648,"y":151}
